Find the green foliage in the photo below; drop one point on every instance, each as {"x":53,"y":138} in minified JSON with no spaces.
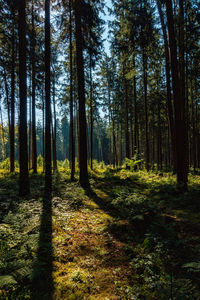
{"x":134,"y":225}
{"x":133,"y":164}
{"x":40,"y":160}
{"x":5,"y":164}
{"x":133,"y":205}
{"x":194,"y":266}
{"x":65,"y":163}
{"x":98,"y":165}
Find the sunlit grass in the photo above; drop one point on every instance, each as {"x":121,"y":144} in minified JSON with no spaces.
{"x":119,"y":239}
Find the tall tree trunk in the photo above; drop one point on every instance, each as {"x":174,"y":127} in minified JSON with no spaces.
{"x":135,"y":107}
{"x":48,"y":176}
{"x":179,"y":106}
{"x":54,"y":130}
{"x":159,"y":148}
{"x":193,"y":130}
{"x":115,"y":158}
{"x":168,"y":81}
{"x":91,"y":116}
{"x":3,"y":135}
{"x":183,"y":86}
{"x":34,"y":144}
{"x":153,"y":137}
{"x":43,"y":131}
{"x":12,"y":105}
{"x":126,"y":103}
{"x":144,"y":58}
{"x":29,"y":134}
{"x":83,"y":175}
{"x":23,"y":151}
{"x":7,"y":99}
{"x":72,"y":142}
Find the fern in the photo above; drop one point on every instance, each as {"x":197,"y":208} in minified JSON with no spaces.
{"x":6,"y":281}
{"x":192,"y":265}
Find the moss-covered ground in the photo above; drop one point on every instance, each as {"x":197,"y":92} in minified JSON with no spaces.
{"x":131,"y":235}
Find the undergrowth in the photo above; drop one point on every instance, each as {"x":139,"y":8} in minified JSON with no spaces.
{"x":131,"y":235}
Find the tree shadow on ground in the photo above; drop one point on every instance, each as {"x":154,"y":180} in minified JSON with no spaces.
{"x":156,"y":214}
{"x":42,"y":281}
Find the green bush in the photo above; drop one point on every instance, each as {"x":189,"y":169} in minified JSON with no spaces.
{"x":5,"y":164}
{"x":133,"y":164}
{"x":40,"y":160}
{"x":134,"y":205}
{"x":65,"y":163}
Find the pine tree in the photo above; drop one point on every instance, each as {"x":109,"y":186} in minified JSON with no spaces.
{"x":48,"y":175}
{"x":23,"y":154}
{"x":83,"y":176}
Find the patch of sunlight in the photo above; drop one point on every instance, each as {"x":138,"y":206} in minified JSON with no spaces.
{"x":91,"y":204}
{"x":101,"y":194}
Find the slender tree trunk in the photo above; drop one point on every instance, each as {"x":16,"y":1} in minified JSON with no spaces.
{"x":12,"y":117}
{"x":135,"y":108}
{"x":159,"y":148}
{"x":168,"y":81}
{"x":43,"y":132}
{"x":144,"y":58}
{"x":7,"y":99}
{"x":193,"y":131}
{"x":115,"y":159}
{"x":131,"y":132}
{"x":48,"y":175}
{"x":23,"y":151}
{"x":91,"y":116}
{"x":179,"y":106}
{"x":181,"y":69}
{"x":54,"y":130}
{"x":83,"y":175}
{"x":72,"y":142}
{"x":197,"y":135}
{"x":153,"y":137}
{"x":126,"y":102}
{"x":3,"y":135}
{"x":34,"y":144}
{"x":29,"y":134}
{"x":77,"y":135}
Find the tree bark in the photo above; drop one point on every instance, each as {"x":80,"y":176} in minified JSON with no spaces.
{"x":34,"y":144}
{"x":179,"y":106}
{"x":72,"y":142}
{"x":168,"y":81}
{"x":126,"y":103}
{"x":23,"y":151}
{"x":144,"y":58}
{"x":12,"y":104}
{"x":48,"y":175}
{"x":7,"y":98}
{"x":43,"y":131}
{"x":83,"y":175}
{"x":3,"y":136}
{"x":91,"y":116}
{"x":54,"y":130}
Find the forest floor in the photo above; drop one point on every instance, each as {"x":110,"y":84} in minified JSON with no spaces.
{"x":131,"y":235}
